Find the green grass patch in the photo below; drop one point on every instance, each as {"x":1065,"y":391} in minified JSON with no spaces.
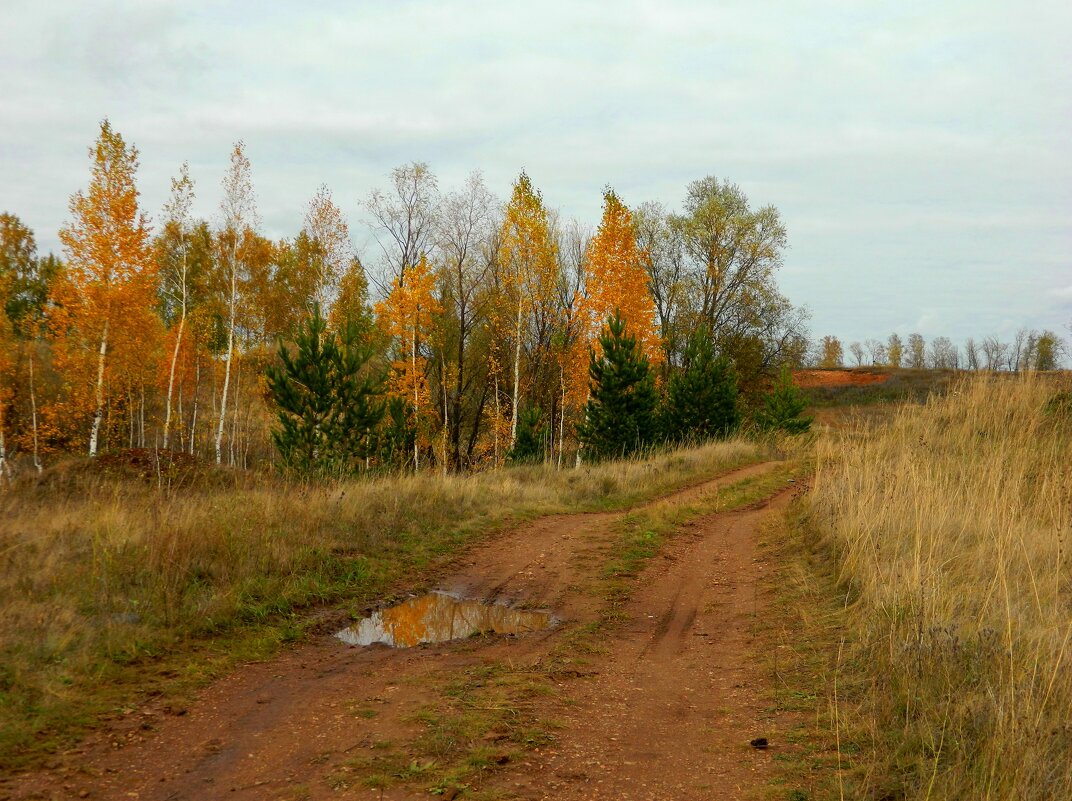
{"x":798,"y":642}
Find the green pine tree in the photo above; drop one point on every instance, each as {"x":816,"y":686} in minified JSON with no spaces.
{"x":701,"y":400}
{"x":783,"y":407}
{"x":327,"y":403}
{"x":620,"y":417}
{"x":531,"y":433}
{"x":396,"y":437}
{"x":359,"y":404}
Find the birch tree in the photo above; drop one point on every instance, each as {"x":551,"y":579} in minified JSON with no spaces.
{"x":527,"y":261}
{"x":406,"y":317}
{"x":176,"y":273}
{"x":831,"y":354}
{"x":662,"y":255}
{"x":877,"y":351}
{"x":333,"y":252}
{"x":405,"y":219}
{"x":464,"y":228}
{"x":917,"y":352}
{"x":238,"y":218}
{"x":971,"y":354}
{"x":894,"y":350}
{"x":616,"y":279}
{"x":105,"y":298}
{"x":995,"y":351}
{"x":944,"y":354}
{"x":1049,"y":348}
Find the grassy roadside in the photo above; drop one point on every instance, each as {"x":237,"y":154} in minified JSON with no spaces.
{"x":485,"y":716}
{"x":112,"y":589}
{"x":921,"y":628}
{"x":798,"y":643}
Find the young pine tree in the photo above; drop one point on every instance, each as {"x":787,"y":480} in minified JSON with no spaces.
{"x":783,"y":407}
{"x":327,"y":408}
{"x":531,"y":432}
{"x":395,"y":439}
{"x":701,"y":401}
{"x":620,"y":414}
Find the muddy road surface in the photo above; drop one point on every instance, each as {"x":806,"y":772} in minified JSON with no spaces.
{"x":646,"y":685}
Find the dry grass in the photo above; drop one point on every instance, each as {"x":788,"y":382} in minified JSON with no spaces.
{"x":103,"y":579}
{"x":951,"y":529}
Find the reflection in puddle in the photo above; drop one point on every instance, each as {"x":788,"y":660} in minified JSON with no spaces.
{"x":438,"y":617}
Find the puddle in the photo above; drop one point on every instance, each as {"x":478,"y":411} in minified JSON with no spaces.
{"x":438,"y":617}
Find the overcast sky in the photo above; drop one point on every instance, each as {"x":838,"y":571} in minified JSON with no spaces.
{"x":919,"y":152}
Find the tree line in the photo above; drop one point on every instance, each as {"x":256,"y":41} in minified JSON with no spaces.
{"x":1027,"y":350}
{"x":476,"y":323}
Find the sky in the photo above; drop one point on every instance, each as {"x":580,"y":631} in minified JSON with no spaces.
{"x":920,"y":153}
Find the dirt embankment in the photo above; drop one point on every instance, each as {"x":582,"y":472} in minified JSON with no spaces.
{"x":806,"y":379}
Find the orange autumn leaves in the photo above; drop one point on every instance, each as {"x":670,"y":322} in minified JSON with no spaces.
{"x":406,"y":316}
{"x":615,"y":279}
{"x":102,"y":307}
{"x":108,"y":312}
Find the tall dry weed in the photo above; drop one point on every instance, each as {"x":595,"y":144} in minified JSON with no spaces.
{"x":952,"y":526}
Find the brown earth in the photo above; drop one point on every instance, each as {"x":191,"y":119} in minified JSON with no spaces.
{"x":806,"y":379}
{"x":661,"y":704}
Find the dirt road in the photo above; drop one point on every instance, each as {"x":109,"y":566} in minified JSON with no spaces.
{"x":653,"y":697}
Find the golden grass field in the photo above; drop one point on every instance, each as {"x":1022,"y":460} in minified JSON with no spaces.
{"x":950,"y":528}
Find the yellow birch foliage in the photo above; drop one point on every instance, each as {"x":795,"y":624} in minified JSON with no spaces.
{"x":405,"y":316}
{"x":526,"y":248}
{"x":351,"y":306}
{"x":615,"y":279}
{"x":108,"y":289}
{"x":529,"y":272}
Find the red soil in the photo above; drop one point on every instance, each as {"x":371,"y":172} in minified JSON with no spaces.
{"x":838,"y":378}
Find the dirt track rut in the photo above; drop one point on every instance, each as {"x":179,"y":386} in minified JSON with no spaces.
{"x":665,"y":710}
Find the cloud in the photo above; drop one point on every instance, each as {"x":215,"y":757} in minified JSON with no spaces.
{"x":918,"y":153}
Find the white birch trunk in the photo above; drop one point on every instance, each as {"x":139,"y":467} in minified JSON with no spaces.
{"x":33,"y":416}
{"x":445,"y":421}
{"x":94,"y":432}
{"x":130,"y":420}
{"x":3,"y":448}
{"x":227,"y":369}
{"x":234,"y":414}
{"x":171,"y":376}
{"x":193,"y":416}
{"x":182,"y":424}
{"x":580,"y":445}
{"x":517,"y":376}
{"x":416,"y":407}
{"x":498,"y":416}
